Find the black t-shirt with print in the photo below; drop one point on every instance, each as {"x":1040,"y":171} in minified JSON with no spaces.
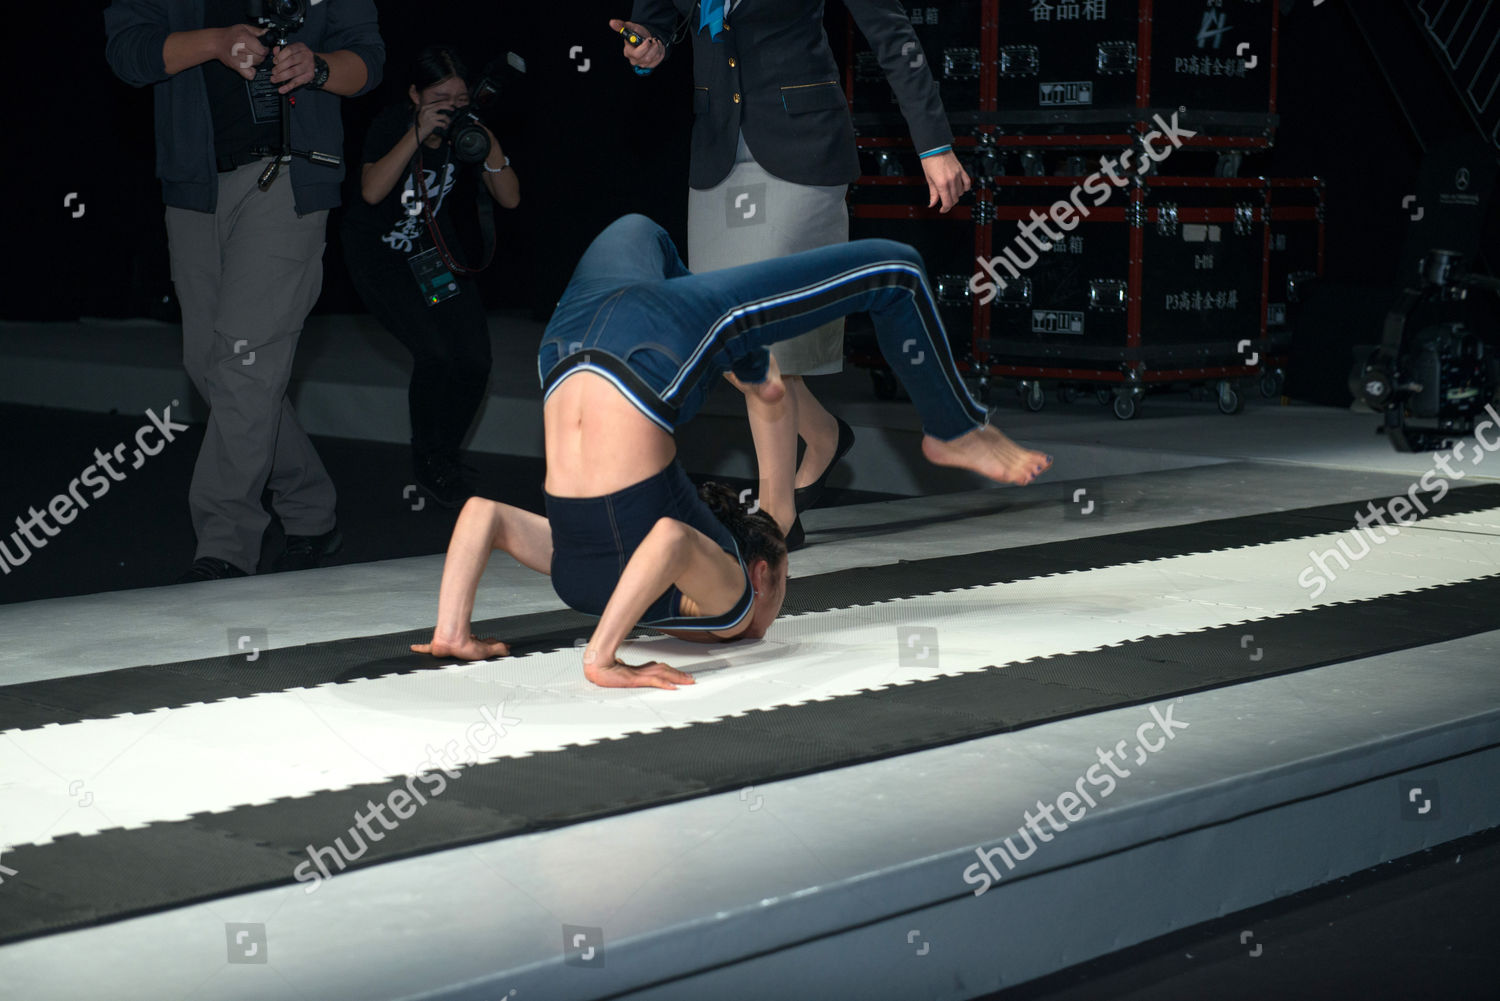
{"x":387,"y":233}
{"x":246,"y":114}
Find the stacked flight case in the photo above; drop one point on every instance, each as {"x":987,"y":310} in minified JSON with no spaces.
{"x":1181,"y":272}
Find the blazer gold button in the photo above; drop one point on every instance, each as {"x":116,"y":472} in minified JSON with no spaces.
{"x":732,"y":63}
{"x":736,"y":99}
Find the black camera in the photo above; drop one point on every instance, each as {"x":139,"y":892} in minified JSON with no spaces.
{"x":470,"y":142}
{"x":280,"y":18}
{"x":1445,"y":372}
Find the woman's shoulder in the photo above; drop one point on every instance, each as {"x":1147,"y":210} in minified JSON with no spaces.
{"x":385,"y":128}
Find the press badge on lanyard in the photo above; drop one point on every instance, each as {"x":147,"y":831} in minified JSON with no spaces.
{"x":433,"y":277}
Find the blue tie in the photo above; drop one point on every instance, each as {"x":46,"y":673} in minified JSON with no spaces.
{"x":713,"y":17}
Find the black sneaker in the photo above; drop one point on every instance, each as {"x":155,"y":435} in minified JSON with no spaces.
{"x":210,"y":568}
{"x":441,"y":477}
{"x":303,"y":552}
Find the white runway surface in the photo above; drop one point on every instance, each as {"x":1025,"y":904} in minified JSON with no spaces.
{"x":169,"y":764}
{"x":805,"y":885}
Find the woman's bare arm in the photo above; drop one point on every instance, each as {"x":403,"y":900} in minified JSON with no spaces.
{"x":671,"y":553}
{"x":499,"y":178}
{"x":378,"y":178}
{"x":483,"y":527}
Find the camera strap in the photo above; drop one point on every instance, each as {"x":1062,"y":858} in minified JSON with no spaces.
{"x":486,"y":217}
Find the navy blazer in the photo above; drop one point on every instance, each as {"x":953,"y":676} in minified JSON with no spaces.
{"x":772,"y":74}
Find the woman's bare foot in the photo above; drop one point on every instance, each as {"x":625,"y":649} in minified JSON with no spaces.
{"x":989,"y":453}
{"x":473,"y":648}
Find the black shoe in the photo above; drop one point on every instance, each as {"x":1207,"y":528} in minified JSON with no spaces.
{"x":796,"y":538}
{"x":303,"y":552}
{"x":210,"y":568}
{"x":805,"y":497}
{"x":441,"y":477}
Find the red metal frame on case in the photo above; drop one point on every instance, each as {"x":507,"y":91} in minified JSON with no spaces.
{"x":981,"y":208}
{"x":989,"y":47}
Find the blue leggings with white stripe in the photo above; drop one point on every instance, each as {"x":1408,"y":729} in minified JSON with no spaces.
{"x":635,"y":315}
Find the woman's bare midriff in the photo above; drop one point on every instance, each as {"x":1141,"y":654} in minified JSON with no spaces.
{"x":597,"y":441}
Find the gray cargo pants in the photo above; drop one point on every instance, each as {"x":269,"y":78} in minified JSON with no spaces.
{"x":247,"y":274}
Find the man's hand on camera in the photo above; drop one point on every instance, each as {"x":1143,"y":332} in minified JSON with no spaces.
{"x":241,"y":50}
{"x":292,"y":66}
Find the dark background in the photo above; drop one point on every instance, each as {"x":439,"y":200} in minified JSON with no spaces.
{"x":587,"y":147}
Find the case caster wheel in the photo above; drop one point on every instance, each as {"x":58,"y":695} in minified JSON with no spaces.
{"x":1104,"y":396}
{"x":1035,"y":398}
{"x":1230,"y":401}
{"x":1271,"y":383}
{"x":883,"y":381}
{"x":1065,"y":394}
{"x":1125,"y":407}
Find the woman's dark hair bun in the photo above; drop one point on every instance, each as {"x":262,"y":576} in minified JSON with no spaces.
{"x":758,"y":535}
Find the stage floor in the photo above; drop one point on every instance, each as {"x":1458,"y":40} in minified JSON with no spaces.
{"x":823,"y":814}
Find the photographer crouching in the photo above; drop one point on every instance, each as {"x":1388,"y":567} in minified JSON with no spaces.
{"x":401,"y":250}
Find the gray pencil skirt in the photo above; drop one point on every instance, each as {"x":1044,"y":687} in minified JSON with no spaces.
{"x":752,"y":216}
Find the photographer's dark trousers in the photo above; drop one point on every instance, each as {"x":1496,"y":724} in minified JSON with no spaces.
{"x":247,"y":275}
{"x":449,"y":345}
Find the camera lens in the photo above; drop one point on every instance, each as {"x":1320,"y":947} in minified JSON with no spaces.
{"x":470,"y":142}
{"x":471,"y":145}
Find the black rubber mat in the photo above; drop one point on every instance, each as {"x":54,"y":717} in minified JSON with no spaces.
{"x":113,"y":874}
{"x":143,"y":689}
{"x":76,"y":881}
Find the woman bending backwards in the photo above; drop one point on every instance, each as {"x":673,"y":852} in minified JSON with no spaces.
{"x":628,"y":358}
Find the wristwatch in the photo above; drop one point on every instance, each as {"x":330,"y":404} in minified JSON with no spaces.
{"x":320,"y":73}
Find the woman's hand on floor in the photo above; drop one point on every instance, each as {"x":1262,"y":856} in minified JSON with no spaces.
{"x":617,"y":674}
{"x":473,"y":648}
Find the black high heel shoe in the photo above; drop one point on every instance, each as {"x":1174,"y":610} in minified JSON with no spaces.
{"x":805,"y":497}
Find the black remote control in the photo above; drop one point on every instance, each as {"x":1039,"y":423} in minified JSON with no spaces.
{"x":635,"y":38}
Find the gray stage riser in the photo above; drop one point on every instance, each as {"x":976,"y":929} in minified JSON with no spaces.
{"x":1009,"y":935}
